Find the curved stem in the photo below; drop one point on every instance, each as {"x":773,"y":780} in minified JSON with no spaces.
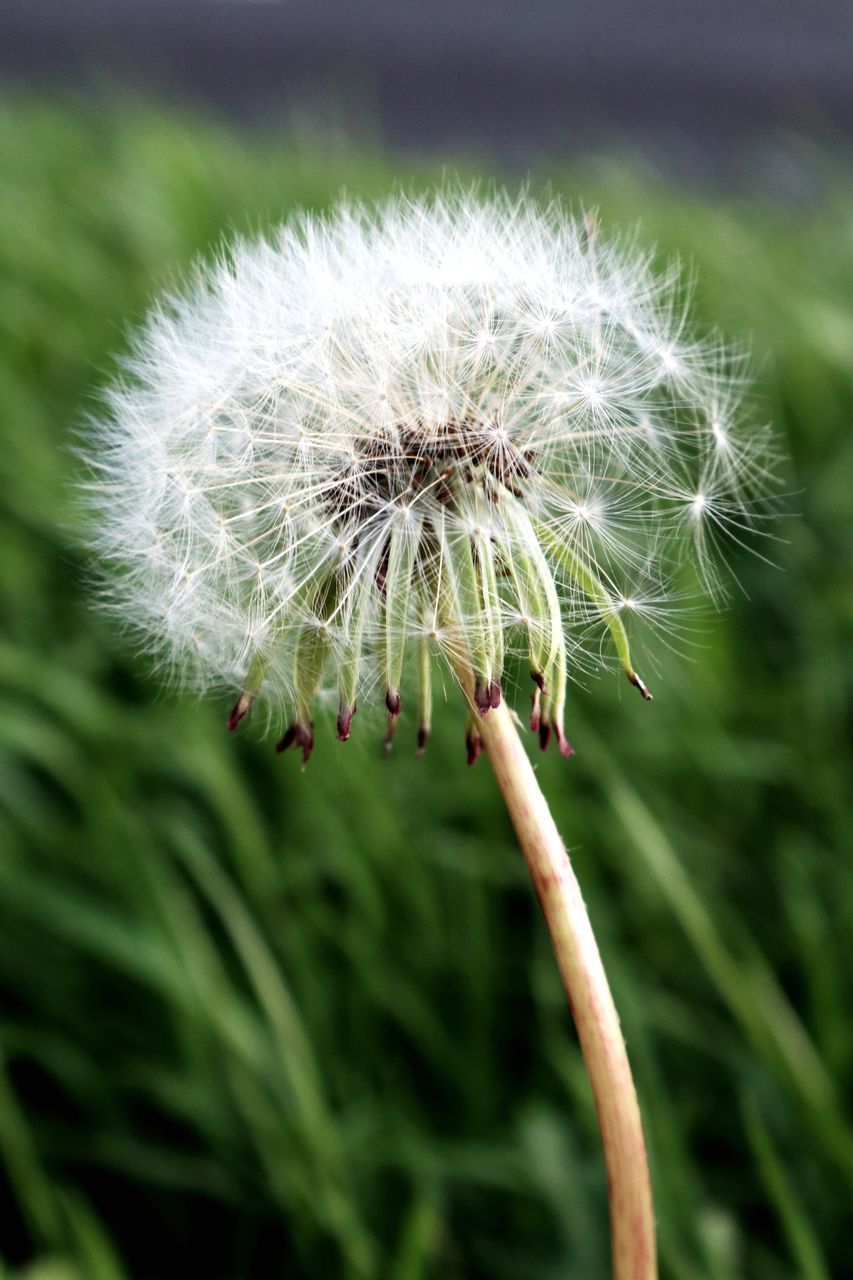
{"x":631,"y":1215}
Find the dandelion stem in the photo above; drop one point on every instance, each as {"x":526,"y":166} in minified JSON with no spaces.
{"x":597,"y":1022}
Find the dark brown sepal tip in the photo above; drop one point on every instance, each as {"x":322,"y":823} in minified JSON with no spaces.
{"x":487,"y":696}
{"x":345,"y":716}
{"x":298,"y":735}
{"x":638,"y":684}
{"x":481,"y":697}
{"x":239,"y":710}
{"x":538,"y":678}
{"x":388,"y":740}
{"x":393,"y":702}
{"x":423,"y":738}
{"x":544,"y":734}
{"x":473,"y":745}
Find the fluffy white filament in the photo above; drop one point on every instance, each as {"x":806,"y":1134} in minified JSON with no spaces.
{"x":467,"y":425}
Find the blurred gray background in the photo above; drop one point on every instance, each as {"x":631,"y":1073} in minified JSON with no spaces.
{"x":707,"y":92}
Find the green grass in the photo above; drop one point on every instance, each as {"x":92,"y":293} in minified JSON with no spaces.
{"x":257,"y":1023}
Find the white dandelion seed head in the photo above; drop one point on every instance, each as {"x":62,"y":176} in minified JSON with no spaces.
{"x":475,"y":426}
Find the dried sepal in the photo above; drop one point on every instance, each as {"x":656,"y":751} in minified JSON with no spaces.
{"x":300,"y":734}
{"x":570,"y":559}
{"x":424,"y":650}
{"x":473,"y":741}
{"x":401,"y":557}
{"x":248,"y":693}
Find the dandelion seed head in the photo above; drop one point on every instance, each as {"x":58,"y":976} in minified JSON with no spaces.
{"x":472,"y":426}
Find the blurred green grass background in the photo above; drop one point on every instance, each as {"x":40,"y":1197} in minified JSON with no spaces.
{"x":257,"y":1023}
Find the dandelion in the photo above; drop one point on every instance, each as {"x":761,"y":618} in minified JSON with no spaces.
{"x":464,"y":430}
